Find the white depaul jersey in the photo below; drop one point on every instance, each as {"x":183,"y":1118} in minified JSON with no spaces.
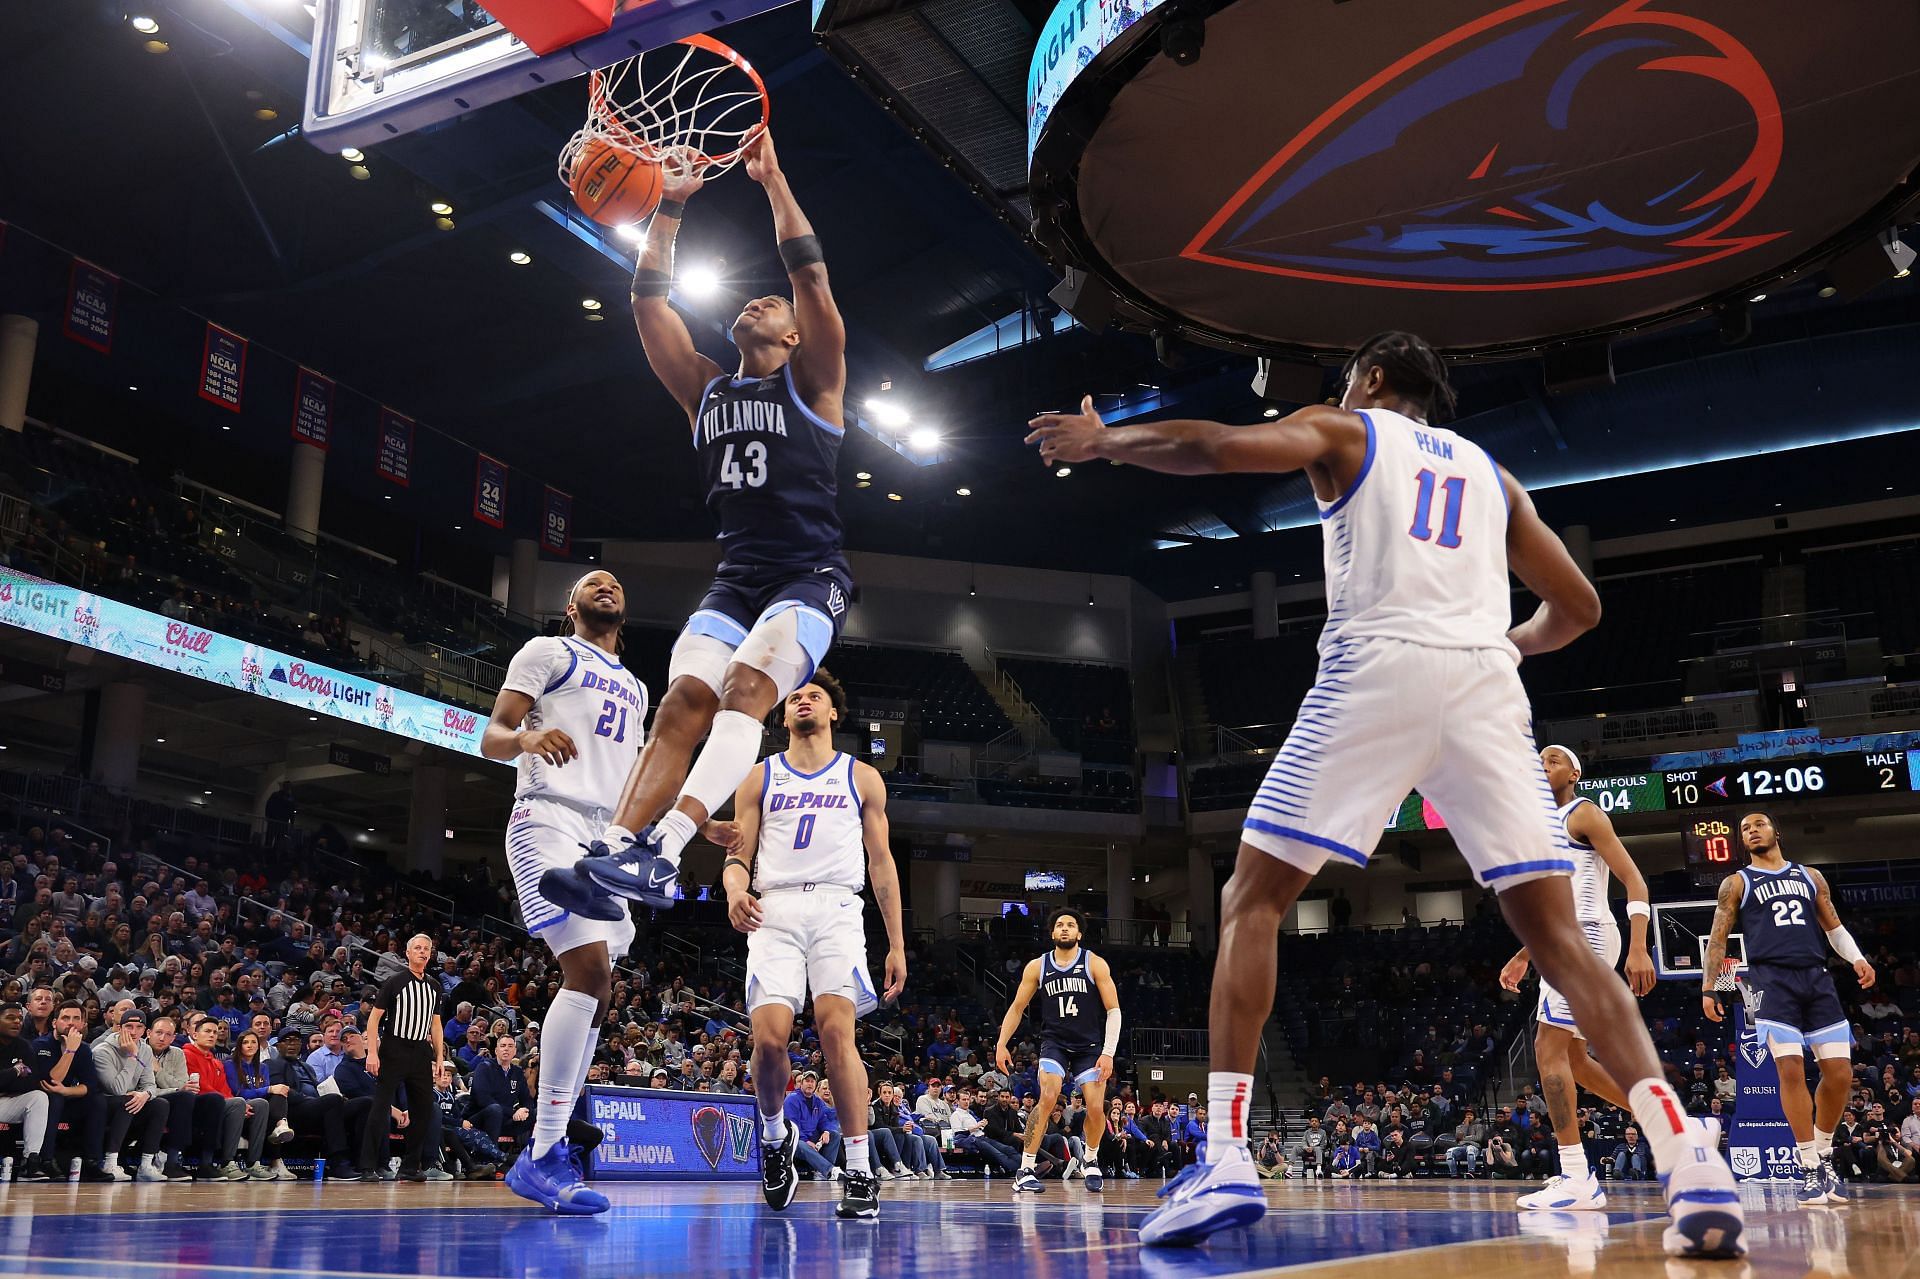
{"x":810,"y":827}
{"x":587,"y":694}
{"x":1590,"y":873}
{"x":1416,"y":549}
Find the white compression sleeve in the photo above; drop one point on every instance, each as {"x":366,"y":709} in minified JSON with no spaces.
{"x":1844,"y":945}
{"x":1112,"y":1042}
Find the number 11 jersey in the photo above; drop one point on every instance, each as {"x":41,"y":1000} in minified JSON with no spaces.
{"x":769,"y":463}
{"x":590,"y":695}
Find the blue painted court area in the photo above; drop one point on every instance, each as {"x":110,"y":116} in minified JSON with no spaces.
{"x":926,"y":1232}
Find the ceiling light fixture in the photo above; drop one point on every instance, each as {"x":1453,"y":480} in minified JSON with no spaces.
{"x":265,"y":113}
{"x":441,"y":207}
{"x":894,"y":497}
{"x":359,"y":173}
{"x":889,"y":414}
{"x":519,"y":257}
{"x":590,"y":304}
{"x":144,"y":25}
{"x":924,"y":440}
{"x":1270,"y":411}
{"x":964,"y":492}
{"x":862,"y":475}
{"x":156,"y":46}
{"x":864,"y":484}
{"x":700,"y":282}
{"x":1064,"y":472}
{"x":352,"y":155}
{"x":443,"y":224}
{"x":1758,"y":297}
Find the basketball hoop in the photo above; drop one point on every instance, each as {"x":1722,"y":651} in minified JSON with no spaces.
{"x":1726,"y":985}
{"x":694,"y":105}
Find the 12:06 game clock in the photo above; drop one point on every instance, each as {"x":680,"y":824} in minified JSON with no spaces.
{"x":1711,"y":844}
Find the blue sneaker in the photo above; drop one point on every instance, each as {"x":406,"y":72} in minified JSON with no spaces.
{"x":1205,"y":1199}
{"x":1704,"y":1201}
{"x":1813,"y":1188}
{"x":1830,"y":1181}
{"x":637,"y":871}
{"x":574,"y":893}
{"x":553,"y":1181}
{"x":1093,"y":1180}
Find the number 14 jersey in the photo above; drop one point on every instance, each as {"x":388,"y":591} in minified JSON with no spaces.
{"x":1071,"y":1012}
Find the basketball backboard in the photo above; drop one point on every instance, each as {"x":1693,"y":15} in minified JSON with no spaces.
{"x":381,"y":68}
{"x":1681,"y":931}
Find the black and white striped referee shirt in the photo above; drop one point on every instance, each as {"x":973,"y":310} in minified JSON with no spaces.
{"x":407,"y":1005}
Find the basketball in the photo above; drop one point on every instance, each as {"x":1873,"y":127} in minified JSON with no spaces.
{"x":614,"y":186}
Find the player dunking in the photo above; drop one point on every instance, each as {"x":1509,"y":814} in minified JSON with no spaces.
{"x":573,"y":717}
{"x":1789,"y":992}
{"x":1066,"y":978}
{"x":767,"y":438}
{"x":1418,"y":686}
{"x":1559,"y":1045}
{"x":818,"y":820}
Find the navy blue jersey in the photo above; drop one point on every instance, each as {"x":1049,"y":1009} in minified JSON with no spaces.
{"x":1778,"y":919}
{"x":769,"y":466}
{"x":1071,"y":1013}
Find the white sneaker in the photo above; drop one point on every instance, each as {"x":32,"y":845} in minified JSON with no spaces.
{"x":1074,"y":1168}
{"x":835,"y":1175}
{"x":1704,"y":1202}
{"x":283,"y":1173}
{"x":113,"y":1169}
{"x":1204,"y":1199}
{"x":1566,"y":1194}
{"x":150,"y":1169}
{"x":281,"y":1134}
{"x":881,"y":1174}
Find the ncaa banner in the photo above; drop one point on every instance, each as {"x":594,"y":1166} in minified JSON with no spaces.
{"x":393,"y":455}
{"x":107,"y":626}
{"x":313,"y":408}
{"x":93,"y":296}
{"x":223,"y":367}
{"x":490,"y":491}
{"x":657,"y":1135}
{"x":556,"y":533}
{"x":1760,"y":1145}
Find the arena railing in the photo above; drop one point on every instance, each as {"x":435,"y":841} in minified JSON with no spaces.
{"x":1167,"y":1043}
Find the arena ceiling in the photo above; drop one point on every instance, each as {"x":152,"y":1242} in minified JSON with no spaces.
{"x":162,"y":167}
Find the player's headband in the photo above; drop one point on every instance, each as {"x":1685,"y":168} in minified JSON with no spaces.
{"x":579,"y":582}
{"x":1572,"y":758}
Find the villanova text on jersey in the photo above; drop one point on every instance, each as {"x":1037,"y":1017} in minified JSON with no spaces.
{"x":1071,"y":1012}
{"x":1779,"y":919}
{"x":769,"y":464}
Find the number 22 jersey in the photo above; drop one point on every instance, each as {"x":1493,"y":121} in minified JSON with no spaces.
{"x":588,"y":694}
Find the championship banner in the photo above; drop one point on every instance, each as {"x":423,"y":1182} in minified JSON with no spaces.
{"x":556,"y":533}
{"x":107,"y":626}
{"x":1760,"y":1145}
{"x":93,"y":296}
{"x":223,"y":367}
{"x":312,"y":408}
{"x":393,"y":456}
{"x":490,"y":491}
{"x":656,"y":1135}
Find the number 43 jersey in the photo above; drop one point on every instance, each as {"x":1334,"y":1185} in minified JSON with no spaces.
{"x":588,"y":694}
{"x":769,"y":463}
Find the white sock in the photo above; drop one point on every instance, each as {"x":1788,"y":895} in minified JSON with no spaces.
{"x":563,"y":1053}
{"x":1664,"y":1121}
{"x":1229,"y":1098}
{"x":586,"y":1059}
{"x":676,"y":830}
{"x":1822,"y":1143}
{"x":857,"y":1154}
{"x":1028,"y":1159}
{"x":1573,"y":1162}
{"x":616,"y":837}
{"x":773,"y":1128}
{"x":733,"y":744}
{"x":1808,"y":1157}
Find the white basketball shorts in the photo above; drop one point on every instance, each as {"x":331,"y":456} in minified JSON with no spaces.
{"x":809,"y":940}
{"x":1603,"y":938}
{"x":543,"y":834}
{"x":1385,"y":717}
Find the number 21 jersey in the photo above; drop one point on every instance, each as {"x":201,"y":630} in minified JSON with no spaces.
{"x":769,"y":464}
{"x":590,"y":695}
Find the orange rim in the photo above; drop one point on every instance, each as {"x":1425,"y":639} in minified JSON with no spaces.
{"x":616,"y":131}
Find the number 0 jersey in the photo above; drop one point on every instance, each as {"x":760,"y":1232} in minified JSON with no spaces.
{"x":769,"y":463}
{"x":1071,"y":1012}
{"x":811,"y":830}
{"x":597,"y":702}
{"x":1779,"y":922}
{"x":1416,"y":548}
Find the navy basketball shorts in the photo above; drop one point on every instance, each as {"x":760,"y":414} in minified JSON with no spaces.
{"x":1794,"y":1007}
{"x":1077,"y":1065}
{"x":744,"y":595}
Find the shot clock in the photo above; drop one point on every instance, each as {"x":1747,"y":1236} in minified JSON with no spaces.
{"x":1712,"y":848}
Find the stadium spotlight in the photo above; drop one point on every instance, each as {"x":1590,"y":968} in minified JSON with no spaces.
{"x":889,"y":413}
{"x":924,"y":440}
{"x":700,"y":282}
{"x":631,"y":232}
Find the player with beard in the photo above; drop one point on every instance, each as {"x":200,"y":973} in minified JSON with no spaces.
{"x":573,"y":718}
{"x":812,"y":832}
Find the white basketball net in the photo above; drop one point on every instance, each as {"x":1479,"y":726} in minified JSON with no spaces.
{"x":693,"y":104}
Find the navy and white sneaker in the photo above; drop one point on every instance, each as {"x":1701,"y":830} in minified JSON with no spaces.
{"x":553,"y":1181}
{"x":1027,"y":1179}
{"x":1206,"y":1199}
{"x":1704,"y":1201}
{"x":635,"y":871}
{"x":1830,"y":1182}
{"x":1813,"y":1188}
{"x":570,"y":890}
{"x":1092,"y":1178}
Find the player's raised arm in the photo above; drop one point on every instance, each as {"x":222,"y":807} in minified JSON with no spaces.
{"x":663,"y":334}
{"x":1029,"y":982}
{"x":1724,"y":911}
{"x":1102,"y":974}
{"x":820,"y":361}
{"x":882,"y":873}
{"x":1194,"y":447}
{"x":1569,"y":606}
{"x":1594,"y":826}
{"x":1837,"y":935}
{"x":736,"y":872}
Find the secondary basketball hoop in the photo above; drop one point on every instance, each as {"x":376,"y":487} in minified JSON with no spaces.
{"x":694,"y":104}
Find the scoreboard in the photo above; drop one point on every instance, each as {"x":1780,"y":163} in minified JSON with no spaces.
{"x":1711,"y":845}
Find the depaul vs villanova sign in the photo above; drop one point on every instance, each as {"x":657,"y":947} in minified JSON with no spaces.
{"x":654,"y":1135}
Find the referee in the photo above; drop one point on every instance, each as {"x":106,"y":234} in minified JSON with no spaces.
{"x":405,"y":1045}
